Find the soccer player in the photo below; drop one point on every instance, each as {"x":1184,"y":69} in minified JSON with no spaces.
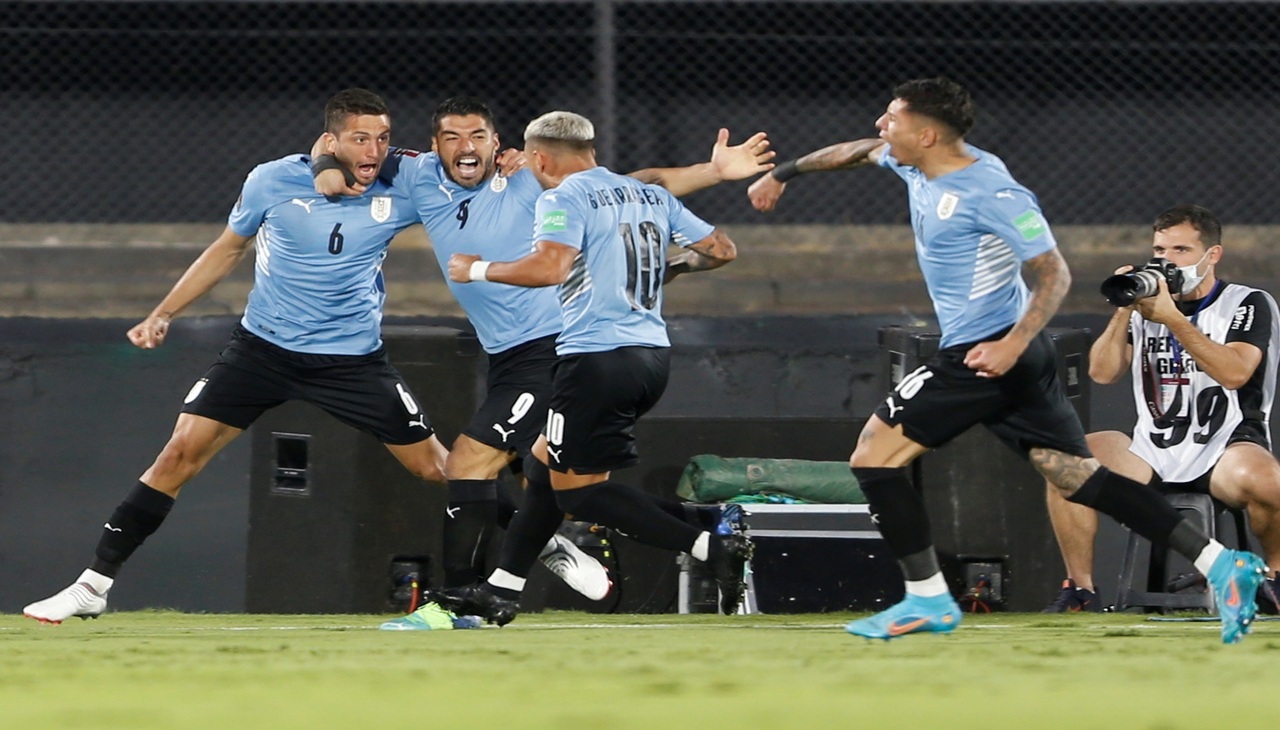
{"x":974,"y":227}
{"x":1204,"y":380}
{"x":600,"y":238}
{"x":310,"y":331}
{"x":469,"y":204}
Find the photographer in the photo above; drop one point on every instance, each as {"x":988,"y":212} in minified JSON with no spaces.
{"x":1203,"y":382}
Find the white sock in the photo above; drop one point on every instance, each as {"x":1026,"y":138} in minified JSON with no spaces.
{"x":1208,"y":556}
{"x":97,"y":581}
{"x":934,"y":585}
{"x":701,"y":547}
{"x":502,"y":579}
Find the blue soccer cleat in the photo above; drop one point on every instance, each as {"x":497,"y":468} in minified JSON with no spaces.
{"x":1235,"y":577}
{"x":730,"y":520}
{"x":431,"y":617}
{"x":913,"y":615}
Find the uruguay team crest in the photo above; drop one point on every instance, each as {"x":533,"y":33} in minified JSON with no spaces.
{"x":498,"y":183}
{"x":947,"y":205}
{"x":380,"y":208}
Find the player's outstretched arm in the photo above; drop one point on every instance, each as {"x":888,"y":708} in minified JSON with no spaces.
{"x":548,"y":265}
{"x":727,"y":163}
{"x":765,"y":192}
{"x":213,"y":264}
{"x":712,"y":252}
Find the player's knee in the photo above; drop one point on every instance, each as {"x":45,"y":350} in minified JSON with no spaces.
{"x":178,"y":461}
{"x":476,"y":462}
{"x":866,"y":458}
{"x":428,"y":471}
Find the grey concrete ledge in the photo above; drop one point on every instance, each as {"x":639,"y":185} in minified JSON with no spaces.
{"x":123,"y":270}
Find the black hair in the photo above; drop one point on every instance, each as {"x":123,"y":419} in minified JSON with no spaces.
{"x":1197,"y":217}
{"x":462,"y":106}
{"x":939,"y":98}
{"x":351,"y":102}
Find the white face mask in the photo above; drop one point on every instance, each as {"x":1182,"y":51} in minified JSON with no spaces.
{"x":1191,"y":279}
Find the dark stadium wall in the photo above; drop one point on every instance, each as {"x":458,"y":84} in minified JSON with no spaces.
{"x":82,"y":412}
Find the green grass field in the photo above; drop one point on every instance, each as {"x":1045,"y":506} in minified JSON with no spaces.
{"x":570,"y":670}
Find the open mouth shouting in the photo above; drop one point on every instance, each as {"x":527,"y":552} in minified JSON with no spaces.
{"x":366,"y":172}
{"x":468,"y":170}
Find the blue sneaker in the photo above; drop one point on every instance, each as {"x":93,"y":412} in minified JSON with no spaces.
{"x":1235,"y":577}
{"x":431,"y":617}
{"x":914,"y":614}
{"x":730,"y":522}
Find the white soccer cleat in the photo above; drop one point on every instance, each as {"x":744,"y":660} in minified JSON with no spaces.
{"x":580,"y":571}
{"x":77,"y":599}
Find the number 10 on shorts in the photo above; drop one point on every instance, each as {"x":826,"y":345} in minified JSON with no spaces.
{"x":555,"y":428}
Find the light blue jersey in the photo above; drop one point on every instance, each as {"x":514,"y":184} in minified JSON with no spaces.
{"x":974,"y":228}
{"x":621,"y":227}
{"x":317,"y":284}
{"x":494,"y":220}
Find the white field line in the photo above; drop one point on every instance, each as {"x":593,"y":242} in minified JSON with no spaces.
{"x":1149,"y":624}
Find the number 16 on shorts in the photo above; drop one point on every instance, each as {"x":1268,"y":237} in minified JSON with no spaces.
{"x":906,"y":390}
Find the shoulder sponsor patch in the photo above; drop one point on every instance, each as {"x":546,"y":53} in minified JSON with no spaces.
{"x":1031,"y":225}
{"x":1243,"y":319}
{"x":555,"y":220}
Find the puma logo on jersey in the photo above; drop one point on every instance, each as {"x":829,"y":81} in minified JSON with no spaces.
{"x":452,"y":511}
{"x":421,"y":422}
{"x":304,"y":203}
{"x":893,"y":409}
{"x":1005,"y":194}
{"x":555,"y":454}
{"x":113,"y":529}
{"x":498,"y":427}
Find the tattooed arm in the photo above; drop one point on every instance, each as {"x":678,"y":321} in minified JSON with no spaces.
{"x":1050,"y":281}
{"x":764,"y":193}
{"x":712,"y":252}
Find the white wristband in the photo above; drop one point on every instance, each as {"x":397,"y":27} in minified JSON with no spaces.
{"x":478,"y":269}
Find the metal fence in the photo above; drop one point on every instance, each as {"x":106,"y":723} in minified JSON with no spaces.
{"x":154,"y":111}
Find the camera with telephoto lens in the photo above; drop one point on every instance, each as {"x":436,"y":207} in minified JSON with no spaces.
{"x":1122,"y":290}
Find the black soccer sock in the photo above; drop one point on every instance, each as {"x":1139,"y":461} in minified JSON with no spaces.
{"x":468,"y":529}
{"x":704,"y":517}
{"x":1142,"y":509}
{"x":899,"y":513}
{"x":631,"y":512}
{"x":139,"y":515}
{"x":534,"y":524}
{"x":509,"y":498}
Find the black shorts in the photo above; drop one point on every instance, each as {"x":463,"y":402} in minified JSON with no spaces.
{"x":596,"y":398}
{"x":252,"y":376}
{"x":515,"y":402}
{"x":1249,"y":431}
{"x":1026,"y":408}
